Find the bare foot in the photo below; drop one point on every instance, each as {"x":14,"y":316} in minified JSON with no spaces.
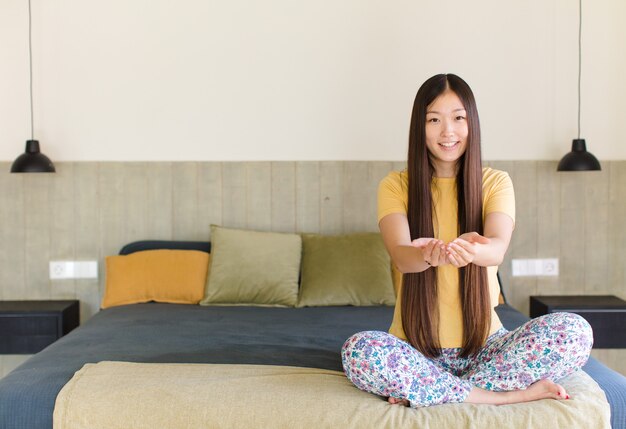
{"x":394,"y":401}
{"x":544,"y":389}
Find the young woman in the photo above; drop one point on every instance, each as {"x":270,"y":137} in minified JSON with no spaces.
{"x":446,"y":222}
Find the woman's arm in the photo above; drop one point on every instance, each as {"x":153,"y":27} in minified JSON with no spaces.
{"x":472,"y":248}
{"x":410,"y":256}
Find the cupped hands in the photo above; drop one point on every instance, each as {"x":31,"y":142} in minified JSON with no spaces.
{"x":459,"y":252}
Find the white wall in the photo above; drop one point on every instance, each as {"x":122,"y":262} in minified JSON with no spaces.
{"x":291,"y":80}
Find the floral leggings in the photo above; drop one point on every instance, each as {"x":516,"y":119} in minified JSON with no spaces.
{"x":550,"y":346}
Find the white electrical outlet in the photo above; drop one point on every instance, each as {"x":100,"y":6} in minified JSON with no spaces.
{"x":535,"y":267}
{"x":57,"y":270}
{"x":550,"y":267}
{"x":73,"y":270}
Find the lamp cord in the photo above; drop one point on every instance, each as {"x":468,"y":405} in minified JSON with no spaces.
{"x":580,"y":28}
{"x":30,"y":65}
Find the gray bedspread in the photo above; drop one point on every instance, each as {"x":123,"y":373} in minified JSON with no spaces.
{"x":308,"y":337}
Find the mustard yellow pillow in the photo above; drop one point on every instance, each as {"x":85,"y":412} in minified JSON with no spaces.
{"x":174,"y":276}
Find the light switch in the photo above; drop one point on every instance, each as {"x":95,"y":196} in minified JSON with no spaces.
{"x":535,"y":267}
{"x":73,"y":270}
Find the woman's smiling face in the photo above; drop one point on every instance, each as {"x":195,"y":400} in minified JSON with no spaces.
{"x":446,"y":132}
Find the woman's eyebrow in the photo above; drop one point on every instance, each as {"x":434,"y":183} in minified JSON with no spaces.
{"x":439,"y":113}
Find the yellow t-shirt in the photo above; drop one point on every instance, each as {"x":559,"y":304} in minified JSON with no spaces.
{"x":498,"y":196}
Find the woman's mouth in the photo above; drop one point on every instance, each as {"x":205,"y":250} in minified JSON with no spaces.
{"x":448,"y":145}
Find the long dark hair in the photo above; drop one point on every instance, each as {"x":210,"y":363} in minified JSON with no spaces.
{"x":420,"y":313}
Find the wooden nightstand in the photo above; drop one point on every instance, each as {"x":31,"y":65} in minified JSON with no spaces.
{"x":605,"y":313}
{"x":27,"y":327}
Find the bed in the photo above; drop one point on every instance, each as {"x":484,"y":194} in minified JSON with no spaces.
{"x":303,"y":343}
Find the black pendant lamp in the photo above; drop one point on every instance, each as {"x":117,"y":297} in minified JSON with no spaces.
{"x":579,"y":159}
{"x":32,"y":160}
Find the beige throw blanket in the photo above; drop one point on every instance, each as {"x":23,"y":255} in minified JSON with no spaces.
{"x":139,"y":395}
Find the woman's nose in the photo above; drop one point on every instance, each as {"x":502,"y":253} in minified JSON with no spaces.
{"x":448,"y":128}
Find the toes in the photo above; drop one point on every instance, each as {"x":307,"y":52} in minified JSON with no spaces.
{"x":549,"y":389}
{"x":558,"y":391}
{"x":395,"y":401}
{"x":561,"y":393}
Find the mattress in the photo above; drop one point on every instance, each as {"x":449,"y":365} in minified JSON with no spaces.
{"x":170,"y":333}
{"x":199,"y":396}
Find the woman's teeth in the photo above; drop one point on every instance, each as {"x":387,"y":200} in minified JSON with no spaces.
{"x":448,"y":144}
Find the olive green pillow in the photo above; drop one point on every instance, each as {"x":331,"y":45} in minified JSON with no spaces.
{"x":253,"y":268}
{"x":352,"y":269}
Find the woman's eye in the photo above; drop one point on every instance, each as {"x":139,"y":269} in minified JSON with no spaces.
{"x":460,"y":118}
{"x":433,"y":120}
